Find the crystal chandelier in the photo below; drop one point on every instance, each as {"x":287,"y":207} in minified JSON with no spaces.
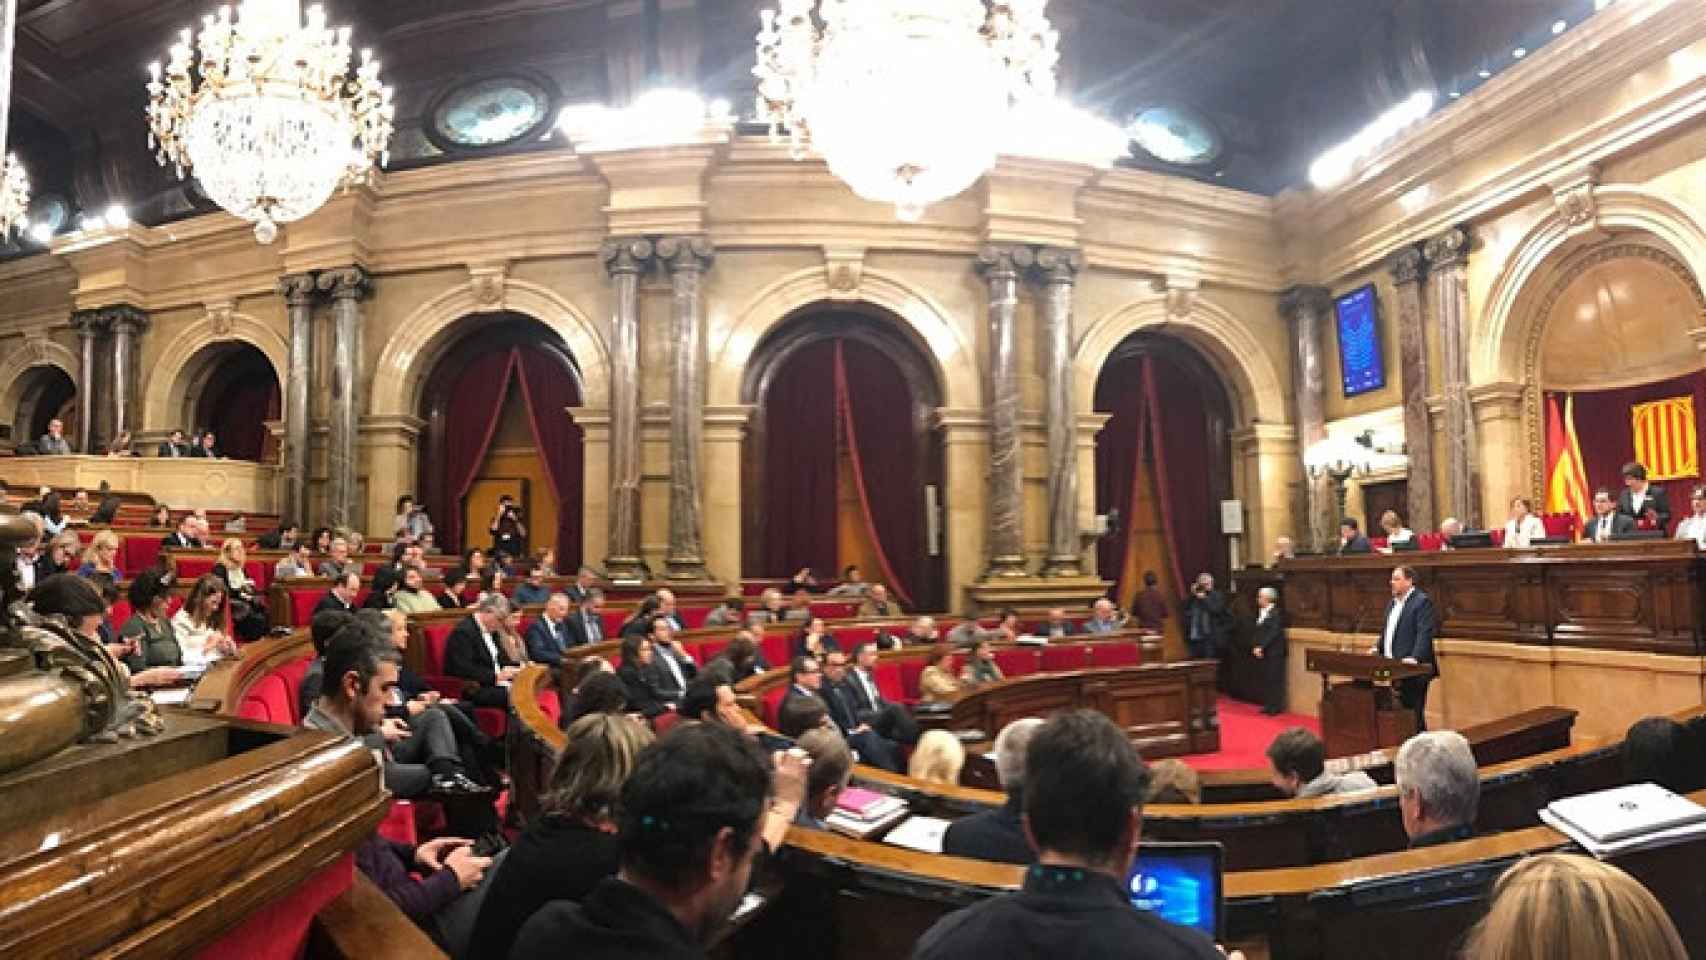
{"x":908,"y":101}
{"x":270,"y":116}
{"x":14,"y":196}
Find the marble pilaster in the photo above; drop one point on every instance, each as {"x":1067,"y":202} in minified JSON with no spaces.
{"x":1307,"y":310}
{"x":725,"y":436}
{"x":1448,"y":269}
{"x":1058,"y":269}
{"x":687,"y":259}
{"x":1499,"y":410}
{"x":88,"y":324}
{"x":1408,"y":267}
{"x":298,"y":291}
{"x":347,"y":287}
{"x":128,"y":323}
{"x":625,"y":259}
{"x":1000,"y":266}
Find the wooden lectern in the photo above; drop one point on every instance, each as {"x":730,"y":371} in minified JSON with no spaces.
{"x":1360,"y":711}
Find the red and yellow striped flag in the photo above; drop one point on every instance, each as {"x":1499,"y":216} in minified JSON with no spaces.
{"x":1665,"y":439}
{"x":1566,"y":483}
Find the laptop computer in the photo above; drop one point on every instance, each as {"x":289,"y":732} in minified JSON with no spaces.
{"x":1182,"y":883}
{"x":1470,"y":541}
{"x":1623,"y":812}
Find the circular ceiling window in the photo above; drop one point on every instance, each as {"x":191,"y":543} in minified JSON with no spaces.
{"x":492,"y":112}
{"x":1174,"y":134}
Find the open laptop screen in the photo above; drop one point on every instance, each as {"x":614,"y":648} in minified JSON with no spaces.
{"x":1181,"y":882}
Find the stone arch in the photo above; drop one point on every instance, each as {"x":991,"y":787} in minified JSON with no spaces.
{"x":946,"y":347}
{"x":173,"y":377}
{"x":1255,"y":387}
{"x":413,"y":350}
{"x":32,"y":354}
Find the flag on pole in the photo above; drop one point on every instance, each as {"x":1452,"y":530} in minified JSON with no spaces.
{"x":1665,"y":439}
{"x":1566,"y":484}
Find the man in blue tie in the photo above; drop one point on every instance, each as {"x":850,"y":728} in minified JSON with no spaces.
{"x":548,"y":636}
{"x":1409,"y":636}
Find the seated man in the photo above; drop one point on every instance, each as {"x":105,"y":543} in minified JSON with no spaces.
{"x":672,"y":666}
{"x":1439,"y":788}
{"x":873,"y":747}
{"x":831,"y":768}
{"x":1448,"y":528}
{"x":1103,"y":618}
{"x":852,"y":583}
{"x":1351,"y":539}
{"x":474,"y":653}
{"x":299,"y":562}
{"x":805,"y":679}
{"x":548,"y":637}
{"x":321,"y":630}
{"x":337,"y":559}
{"x":879,"y":605}
{"x":1297,"y":766}
{"x":891,"y":720}
{"x":533,"y":590}
{"x":283,"y":537}
{"x":586,"y":579}
{"x":999,"y":834}
{"x":341,"y":596}
{"x":1693,"y":526}
{"x":1607,"y":523}
{"x":1084,"y":789}
{"x":1660,"y":750}
{"x":800,"y":608}
{"x":1058,"y":625}
{"x":183,"y":538}
{"x":53,"y":442}
{"x":732,"y":613}
{"x":586,"y":625}
{"x":796,"y":715}
{"x":1644,"y":503}
{"x":1284,"y":549}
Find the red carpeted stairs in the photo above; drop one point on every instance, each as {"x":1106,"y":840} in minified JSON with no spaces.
{"x":1245,"y":733}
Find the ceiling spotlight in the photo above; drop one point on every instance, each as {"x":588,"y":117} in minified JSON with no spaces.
{"x":116,"y":216}
{"x":1520,"y":52}
{"x":1559,"y":26}
{"x":1484,"y":73}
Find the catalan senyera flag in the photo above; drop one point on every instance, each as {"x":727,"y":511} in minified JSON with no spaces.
{"x":1566,"y":480}
{"x":1665,"y":439}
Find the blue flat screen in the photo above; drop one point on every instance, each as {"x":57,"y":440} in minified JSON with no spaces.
{"x":1180,"y":883}
{"x":1360,"y":358}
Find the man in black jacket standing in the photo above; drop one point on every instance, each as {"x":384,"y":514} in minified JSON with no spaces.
{"x":1268,"y":644}
{"x":1643,"y":502}
{"x":1408,"y":635}
{"x":1206,"y":619}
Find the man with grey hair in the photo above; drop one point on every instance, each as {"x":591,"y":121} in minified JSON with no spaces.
{"x":1268,"y":645}
{"x":548,"y":636}
{"x":1439,"y":788}
{"x":1448,"y":528}
{"x":474,"y":653}
{"x":999,"y":835}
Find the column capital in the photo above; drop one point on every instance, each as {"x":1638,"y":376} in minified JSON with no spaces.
{"x":686,"y":254}
{"x":1059,"y":264}
{"x":1302,"y":299}
{"x":1003,"y":261}
{"x":1449,"y":249}
{"x":626,"y":255}
{"x":346,"y":283}
{"x":126,"y":319}
{"x":298,"y":289}
{"x":89,"y":323}
{"x":1407,"y":266}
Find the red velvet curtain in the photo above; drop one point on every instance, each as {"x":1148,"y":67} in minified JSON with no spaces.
{"x":468,"y":432}
{"x":1607,"y":437}
{"x":239,"y":418}
{"x":877,"y":421}
{"x":547,"y":391}
{"x":799,"y":464}
{"x":1117,"y":462}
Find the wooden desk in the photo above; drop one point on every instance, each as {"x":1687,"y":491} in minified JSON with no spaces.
{"x":1167,"y":709}
{"x":238,"y":485}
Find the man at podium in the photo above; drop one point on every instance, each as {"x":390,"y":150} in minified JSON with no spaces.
{"x":1409,"y":636}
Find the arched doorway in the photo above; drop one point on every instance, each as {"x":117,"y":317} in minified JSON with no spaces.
{"x":232,"y":389}
{"x":44,"y":393}
{"x":1164,"y":463}
{"x":494,"y":404}
{"x":842,"y":463}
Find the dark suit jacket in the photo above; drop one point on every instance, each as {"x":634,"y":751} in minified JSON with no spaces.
{"x":842,"y":703}
{"x":1357,"y":544}
{"x":664,"y":680}
{"x":177,"y":541}
{"x":1269,"y":634}
{"x":863,"y":707}
{"x":994,"y":835}
{"x":642,"y":690}
{"x":1656,"y":501}
{"x":465,"y":655}
{"x":170,"y":449}
{"x":1213,"y":604}
{"x":1615,"y":522}
{"x":1414,"y":635}
{"x":574,"y":592}
{"x":578,"y":633}
{"x":544,"y":648}
{"x":331,"y":602}
{"x":200,"y":451}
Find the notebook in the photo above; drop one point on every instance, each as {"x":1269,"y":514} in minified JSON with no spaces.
{"x":923,"y":834}
{"x":860,"y":802}
{"x":1622,"y":812}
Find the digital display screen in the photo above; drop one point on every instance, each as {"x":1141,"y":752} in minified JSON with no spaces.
{"x":1180,"y":882}
{"x":1361,"y":361}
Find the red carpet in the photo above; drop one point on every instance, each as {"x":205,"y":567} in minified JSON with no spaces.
{"x":1244,"y":736}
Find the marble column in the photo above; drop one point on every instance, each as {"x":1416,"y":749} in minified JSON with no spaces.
{"x":1000,"y":266}
{"x":88,"y":324}
{"x":625,"y":259}
{"x":128,"y":323}
{"x":687,"y":259}
{"x":1408,"y":268}
{"x":1058,"y":269}
{"x":1448,"y":268}
{"x":298,"y":291}
{"x":1306,"y":309}
{"x":347,"y":287}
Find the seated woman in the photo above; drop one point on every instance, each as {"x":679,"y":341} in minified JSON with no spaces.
{"x":412,"y":596}
{"x":803,"y":579}
{"x":491,"y":583}
{"x":936,"y":684}
{"x":636,"y":675}
{"x":61,"y":556}
{"x":1396,"y":532}
{"x":102,"y":557}
{"x":78,"y":604}
{"x":572,"y":844}
{"x":743,"y":658}
{"x":1570,"y":907}
{"x":1523,"y":528}
{"x":200,"y":625}
{"x":297,"y":564}
{"x":383,"y":593}
{"x":248,"y":610}
{"x":106,"y":511}
{"x":121,"y":445}
{"x":600,"y":691}
{"x":455,"y":585}
{"x":937,"y":758}
{"x":154,"y":642}
{"x":161,"y":518}
{"x":321,"y":541}
{"x":980,"y":667}
{"x":814,"y":639}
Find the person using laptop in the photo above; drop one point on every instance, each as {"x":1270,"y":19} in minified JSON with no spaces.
{"x":1439,"y":788}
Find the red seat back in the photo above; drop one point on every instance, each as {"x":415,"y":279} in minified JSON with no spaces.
{"x":302,"y":602}
{"x":120,"y":614}
{"x":190,"y":568}
{"x":1116,"y":654}
{"x":772,"y":701}
{"x":851,"y":637}
{"x":138,"y":552}
{"x":889,"y":683}
{"x":909,"y":673}
{"x":1017,"y":661}
{"x":1559,"y":524}
{"x":1066,"y":656}
{"x":834,"y":609}
{"x":292,"y":674}
{"x":1430,"y":541}
{"x":778,"y":649}
{"x":707,"y":650}
{"x":551,"y":702}
{"x":662,"y":723}
{"x":269,"y":701}
{"x":693,"y":618}
{"x":433,"y":637}
{"x":613,"y":621}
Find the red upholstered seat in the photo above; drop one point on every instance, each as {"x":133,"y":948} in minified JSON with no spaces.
{"x":889,"y":683}
{"x":1430,"y":541}
{"x":1116,"y":654}
{"x":302,"y":601}
{"x":492,"y":722}
{"x":613,"y":620}
{"x":1378,"y":543}
{"x":189,"y":568}
{"x":1559,"y":524}
{"x":269,"y":701}
{"x":399,"y":823}
{"x":551,"y":702}
{"x":772,"y":701}
{"x":1017,"y":662}
{"x":851,"y":637}
{"x":909,"y":672}
{"x":693,"y":617}
{"x":119,"y":615}
{"x":292,"y":674}
{"x":707,"y":650}
{"x":279,"y":930}
{"x":662,"y":723}
{"x":835,"y":609}
{"x":1498,"y":534}
{"x":777,"y":648}
{"x":139,"y":552}
{"x":1066,"y":656}
{"x":433,"y":639}
{"x":174,"y":603}
{"x":260,"y":573}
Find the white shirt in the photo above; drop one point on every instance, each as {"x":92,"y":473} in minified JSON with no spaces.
{"x":1693,"y":528}
{"x":1531,"y":530}
{"x":491,"y":650}
{"x":195,"y":642}
{"x":674,"y":668}
{"x":1392,"y":616}
{"x":870,"y":688}
{"x":1636,"y":499}
{"x":26,"y":573}
{"x":1262,"y":617}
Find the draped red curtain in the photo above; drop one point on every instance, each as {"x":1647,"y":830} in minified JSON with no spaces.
{"x":1607,"y":437}
{"x":547,"y":393}
{"x":799,"y":464}
{"x":1117,"y":462}
{"x":889,"y":490}
{"x":468,"y":430}
{"x":239,"y":418}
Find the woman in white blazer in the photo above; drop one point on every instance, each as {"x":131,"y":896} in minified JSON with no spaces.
{"x":1523,"y":528}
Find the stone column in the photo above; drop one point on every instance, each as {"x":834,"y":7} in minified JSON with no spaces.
{"x":1000,"y":266}
{"x":298,"y":291}
{"x":1448,"y":267}
{"x":1059,"y":272}
{"x":127,"y":324}
{"x":88,"y":325}
{"x":1407,"y":270}
{"x":1506,"y":457}
{"x":347,"y":287}
{"x":625,"y":259}
{"x":687,"y":259}
{"x":1306,"y":309}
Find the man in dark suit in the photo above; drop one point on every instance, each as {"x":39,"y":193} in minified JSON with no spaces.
{"x":1351,"y":539}
{"x":585,"y":585}
{"x":890,"y":719}
{"x":548,"y":636}
{"x":174,"y":446}
{"x":999,"y":835}
{"x":342,"y":595}
{"x":1607,"y":522}
{"x":1058,"y":625}
{"x":474,"y":653}
{"x":1206,"y":619}
{"x":1643,"y":502}
{"x":805,"y":680}
{"x":1268,"y":644}
{"x":672,"y":667}
{"x":873,"y":747}
{"x":1408,"y":635}
{"x":184,"y":537}
{"x":586,"y":625}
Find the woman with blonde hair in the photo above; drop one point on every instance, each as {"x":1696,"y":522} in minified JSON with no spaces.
{"x":1565,"y":907}
{"x":1396,"y":532}
{"x":102,"y":557}
{"x":937,"y":758}
{"x":248,"y":611}
{"x":572,"y":845}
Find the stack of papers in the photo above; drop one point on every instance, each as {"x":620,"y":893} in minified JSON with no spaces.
{"x":861,"y":813}
{"x":1624,"y":819}
{"x":923,"y":834}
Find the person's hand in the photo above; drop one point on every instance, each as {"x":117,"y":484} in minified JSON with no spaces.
{"x":156,"y":677}
{"x":1234,"y":955}
{"x":431,"y":697}
{"x":789,"y":777}
{"x":393,"y":729}
{"x":431,"y":854}
{"x":225,"y":645}
{"x":467,"y":867}
{"x":508,"y":673}
{"x":415,"y":707}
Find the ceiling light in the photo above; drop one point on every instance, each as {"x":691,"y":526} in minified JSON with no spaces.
{"x":1455,"y":94}
{"x":117,"y":217}
{"x":14,"y":195}
{"x":1559,"y":26}
{"x":1520,"y":52}
{"x":1335,"y":165}
{"x":1483,"y":73}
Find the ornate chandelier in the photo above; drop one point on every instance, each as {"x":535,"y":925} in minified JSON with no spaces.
{"x":278,"y":120}
{"x":908,"y":101}
{"x":14,"y":196}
